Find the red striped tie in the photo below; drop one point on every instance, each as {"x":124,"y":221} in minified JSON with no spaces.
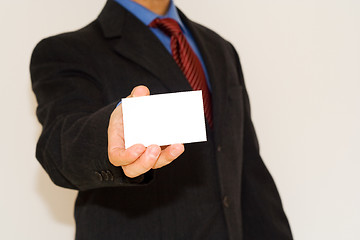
{"x":187,"y":60}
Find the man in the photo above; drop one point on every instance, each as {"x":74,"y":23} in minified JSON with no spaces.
{"x":219,"y":189}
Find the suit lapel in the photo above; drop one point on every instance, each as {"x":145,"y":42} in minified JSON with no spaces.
{"x":133,"y":40}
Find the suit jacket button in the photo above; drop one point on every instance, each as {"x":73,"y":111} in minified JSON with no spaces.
{"x":218,"y":148}
{"x":99,"y":176}
{"x":105,"y":175}
{"x":111,"y":176}
{"x":226,"y":201}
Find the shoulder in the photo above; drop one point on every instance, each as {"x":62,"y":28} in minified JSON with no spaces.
{"x":66,"y":54}
{"x":208,"y":32}
{"x":75,"y":46}
{"x":81,"y":37}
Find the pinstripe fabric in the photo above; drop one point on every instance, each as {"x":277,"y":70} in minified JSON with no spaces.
{"x":187,"y":60}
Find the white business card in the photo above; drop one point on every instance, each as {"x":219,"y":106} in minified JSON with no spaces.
{"x":164,"y":119}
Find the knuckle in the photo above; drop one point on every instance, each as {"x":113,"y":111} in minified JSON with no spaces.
{"x":114,"y":162}
{"x":112,"y":159}
{"x":116,"y":158}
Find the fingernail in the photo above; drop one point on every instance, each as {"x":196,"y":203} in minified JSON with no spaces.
{"x":176,"y":151}
{"x":154,"y":151}
{"x":133,"y":93}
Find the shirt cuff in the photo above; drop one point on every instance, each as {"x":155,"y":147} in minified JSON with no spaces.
{"x":119,"y":103}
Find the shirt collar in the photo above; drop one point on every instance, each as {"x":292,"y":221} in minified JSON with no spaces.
{"x":147,"y":16}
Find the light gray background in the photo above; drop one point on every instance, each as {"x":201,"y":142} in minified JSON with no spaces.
{"x":301,"y":61}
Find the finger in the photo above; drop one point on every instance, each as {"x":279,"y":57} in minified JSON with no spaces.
{"x":169,"y":154}
{"x":146,"y":161}
{"x":116,"y":130}
{"x":116,"y":143}
{"x":119,"y":156}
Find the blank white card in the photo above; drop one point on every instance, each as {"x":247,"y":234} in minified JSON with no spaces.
{"x":164,"y":119}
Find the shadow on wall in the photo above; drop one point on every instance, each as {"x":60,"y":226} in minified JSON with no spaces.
{"x":59,"y":201}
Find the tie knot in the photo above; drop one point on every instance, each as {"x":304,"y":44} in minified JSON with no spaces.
{"x":168,"y":25}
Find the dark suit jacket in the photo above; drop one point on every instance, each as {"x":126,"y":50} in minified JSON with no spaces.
{"x":78,"y":79}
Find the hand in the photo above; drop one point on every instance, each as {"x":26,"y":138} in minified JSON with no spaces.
{"x":137,"y":159}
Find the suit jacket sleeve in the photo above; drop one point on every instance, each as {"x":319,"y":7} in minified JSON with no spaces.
{"x":72,"y":147}
{"x":263,"y":214}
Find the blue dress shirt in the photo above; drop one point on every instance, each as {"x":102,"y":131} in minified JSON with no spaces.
{"x":147,"y":16}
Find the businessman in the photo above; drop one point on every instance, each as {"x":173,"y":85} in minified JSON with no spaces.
{"x":219,"y":189}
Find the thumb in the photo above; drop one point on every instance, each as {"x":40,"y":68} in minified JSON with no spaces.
{"x":140,"y":91}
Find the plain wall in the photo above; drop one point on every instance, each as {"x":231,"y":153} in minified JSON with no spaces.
{"x":301,"y":61}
